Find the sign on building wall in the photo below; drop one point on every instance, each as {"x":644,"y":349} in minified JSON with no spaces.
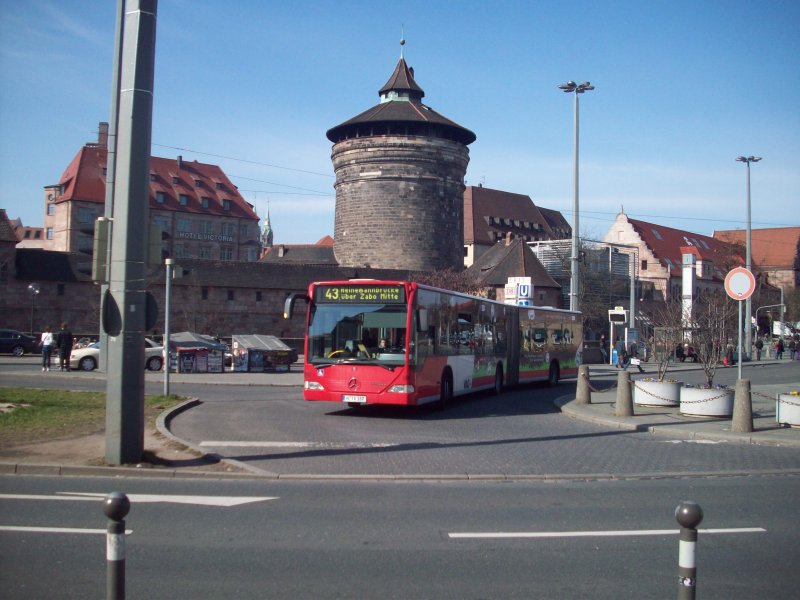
{"x":519,"y":291}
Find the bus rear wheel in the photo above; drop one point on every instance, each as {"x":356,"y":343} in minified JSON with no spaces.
{"x":554,"y":375}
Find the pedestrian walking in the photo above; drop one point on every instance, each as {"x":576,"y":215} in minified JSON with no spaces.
{"x":46,"y":343}
{"x":604,"y":348}
{"x":759,"y":347}
{"x":792,"y":348}
{"x":64,"y":341}
{"x":779,"y":349}
{"x":633,"y":359}
{"x":619,"y":346}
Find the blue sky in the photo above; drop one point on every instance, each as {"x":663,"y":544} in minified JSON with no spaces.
{"x":682,"y":89}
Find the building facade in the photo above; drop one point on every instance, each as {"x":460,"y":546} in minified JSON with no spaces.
{"x":490,"y":215}
{"x":199,"y":212}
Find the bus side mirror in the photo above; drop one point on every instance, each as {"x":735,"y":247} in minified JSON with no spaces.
{"x":288,"y":305}
{"x":422,"y":320}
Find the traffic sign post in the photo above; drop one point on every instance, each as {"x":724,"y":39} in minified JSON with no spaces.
{"x":740,"y":285}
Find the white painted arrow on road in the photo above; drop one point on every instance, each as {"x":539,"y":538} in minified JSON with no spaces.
{"x":224,"y":501}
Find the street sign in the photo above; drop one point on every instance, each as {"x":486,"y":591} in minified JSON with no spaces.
{"x":740,"y":283}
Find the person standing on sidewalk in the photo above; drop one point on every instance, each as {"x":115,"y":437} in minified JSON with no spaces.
{"x":759,"y":346}
{"x":64,"y":342}
{"x":779,"y":349}
{"x":47,"y":347}
{"x":792,"y":348}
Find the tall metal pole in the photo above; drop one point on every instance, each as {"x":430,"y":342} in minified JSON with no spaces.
{"x":574,"y":284}
{"x":111,"y":153}
{"x":125,"y":304}
{"x":167,"y":293}
{"x":748,"y":258}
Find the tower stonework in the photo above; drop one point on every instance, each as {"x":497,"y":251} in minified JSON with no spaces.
{"x":400,"y":170}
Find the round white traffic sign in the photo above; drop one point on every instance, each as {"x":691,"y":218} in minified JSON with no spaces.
{"x":740,"y":283}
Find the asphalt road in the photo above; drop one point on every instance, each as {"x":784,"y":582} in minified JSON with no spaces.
{"x":383,"y":540}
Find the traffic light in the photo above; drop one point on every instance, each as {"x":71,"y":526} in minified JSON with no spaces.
{"x":102,"y":237}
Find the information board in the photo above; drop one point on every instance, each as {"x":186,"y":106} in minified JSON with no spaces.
{"x":359,"y":294}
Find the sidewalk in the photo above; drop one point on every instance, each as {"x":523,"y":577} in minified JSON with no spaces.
{"x":668,"y":421}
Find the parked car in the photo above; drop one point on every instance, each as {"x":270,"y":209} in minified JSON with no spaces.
{"x":87,"y":359}
{"x":17,"y":343}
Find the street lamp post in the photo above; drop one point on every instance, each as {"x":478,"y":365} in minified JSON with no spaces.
{"x":575,"y":88}
{"x":34,"y":289}
{"x":748,"y":306}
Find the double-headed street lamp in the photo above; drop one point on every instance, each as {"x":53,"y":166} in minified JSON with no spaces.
{"x":34,"y":289}
{"x":748,"y":307}
{"x":575,"y":88}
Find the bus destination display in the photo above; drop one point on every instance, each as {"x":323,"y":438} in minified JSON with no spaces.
{"x":346,"y":294}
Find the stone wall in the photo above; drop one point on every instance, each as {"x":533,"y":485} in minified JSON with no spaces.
{"x":399,"y":202}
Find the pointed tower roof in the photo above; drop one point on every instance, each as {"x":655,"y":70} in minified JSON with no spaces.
{"x":402,"y":112}
{"x":402,"y":82}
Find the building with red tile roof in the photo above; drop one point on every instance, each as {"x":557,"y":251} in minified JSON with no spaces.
{"x":199,"y":211}
{"x":774,"y":251}
{"x":660,"y":252}
{"x":490,"y":215}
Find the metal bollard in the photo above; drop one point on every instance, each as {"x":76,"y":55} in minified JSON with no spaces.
{"x":688,"y":514}
{"x":115,"y":506}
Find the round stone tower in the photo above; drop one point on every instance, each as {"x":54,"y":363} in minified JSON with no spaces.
{"x":400,"y":170}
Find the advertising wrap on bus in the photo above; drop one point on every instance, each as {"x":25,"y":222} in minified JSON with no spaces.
{"x":400,"y":342}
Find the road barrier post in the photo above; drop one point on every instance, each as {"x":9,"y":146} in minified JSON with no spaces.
{"x":583,"y":394}
{"x":115,"y":506}
{"x":742,"y":421}
{"x":624,"y":406}
{"x":688,"y":514}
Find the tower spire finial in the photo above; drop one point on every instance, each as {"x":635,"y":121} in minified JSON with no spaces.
{"x":402,"y":39}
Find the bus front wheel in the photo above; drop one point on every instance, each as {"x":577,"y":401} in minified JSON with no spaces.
{"x":446,"y":390}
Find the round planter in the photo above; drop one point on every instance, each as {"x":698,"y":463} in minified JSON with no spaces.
{"x":657,"y":393}
{"x":787,"y":409}
{"x":701,"y":402}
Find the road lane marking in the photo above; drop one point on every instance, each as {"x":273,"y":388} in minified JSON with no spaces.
{"x":573,"y":534}
{"x":223,"y":501}
{"x":57,"y":530}
{"x":326,"y":445}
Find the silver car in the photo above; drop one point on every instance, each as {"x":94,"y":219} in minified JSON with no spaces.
{"x":87,"y":359}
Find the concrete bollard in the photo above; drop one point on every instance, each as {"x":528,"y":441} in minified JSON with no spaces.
{"x":624,"y":406}
{"x":742,"y":421}
{"x":583,"y":395}
{"x":688,"y":514}
{"x":115,"y":506}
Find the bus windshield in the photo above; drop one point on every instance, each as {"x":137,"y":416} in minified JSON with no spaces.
{"x":370,"y":333}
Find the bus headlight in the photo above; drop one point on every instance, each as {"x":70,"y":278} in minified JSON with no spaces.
{"x":313,"y":385}
{"x":401,"y":389}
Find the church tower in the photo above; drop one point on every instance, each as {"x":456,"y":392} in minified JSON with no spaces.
{"x":400,"y":170}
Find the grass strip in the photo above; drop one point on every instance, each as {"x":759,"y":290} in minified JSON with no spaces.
{"x":37,"y":414}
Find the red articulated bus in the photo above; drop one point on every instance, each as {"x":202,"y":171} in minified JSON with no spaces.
{"x":400,"y":342}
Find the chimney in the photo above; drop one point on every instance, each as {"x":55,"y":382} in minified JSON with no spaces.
{"x":509,"y":237}
{"x":281,"y":251}
{"x":102,"y":134}
{"x":180,"y":162}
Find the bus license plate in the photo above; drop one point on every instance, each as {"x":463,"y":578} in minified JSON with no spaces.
{"x":347,"y":398}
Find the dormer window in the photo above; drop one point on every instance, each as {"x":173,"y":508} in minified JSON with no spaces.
{"x":176,"y":179}
{"x":226,"y":205}
{"x":183,"y":199}
{"x":204,"y":202}
{"x":198,"y":183}
{"x":152,"y":176}
{"x":160,"y":197}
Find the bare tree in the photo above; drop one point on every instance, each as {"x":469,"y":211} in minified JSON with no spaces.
{"x":712,"y":328}
{"x":667,"y":334}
